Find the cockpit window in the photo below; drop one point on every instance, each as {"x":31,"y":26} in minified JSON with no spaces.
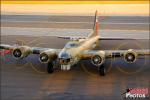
{"x":70,"y":45}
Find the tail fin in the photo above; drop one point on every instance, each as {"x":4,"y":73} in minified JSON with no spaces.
{"x":95,"y":27}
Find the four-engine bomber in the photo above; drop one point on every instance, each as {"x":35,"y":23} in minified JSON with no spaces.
{"x":75,"y":50}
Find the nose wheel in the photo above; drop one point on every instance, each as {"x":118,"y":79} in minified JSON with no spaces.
{"x":50,"y":67}
{"x":102,"y":70}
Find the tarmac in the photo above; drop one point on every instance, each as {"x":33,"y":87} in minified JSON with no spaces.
{"x":27,"y":79}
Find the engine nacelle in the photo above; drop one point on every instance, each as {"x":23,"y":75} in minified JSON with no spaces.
{"x":21,"y":52}
{"x":47,"y":56}
{"x":130,"y":56}
{"x":98,"y":59}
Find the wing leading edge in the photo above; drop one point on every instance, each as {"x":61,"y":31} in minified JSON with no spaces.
{"x":129,"y":56}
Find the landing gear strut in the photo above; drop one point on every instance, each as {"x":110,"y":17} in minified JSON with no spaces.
{"x":50,"y":67}
{"x":102,"y":70}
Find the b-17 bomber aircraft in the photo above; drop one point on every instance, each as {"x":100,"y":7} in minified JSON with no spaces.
{"x":75,"y":50}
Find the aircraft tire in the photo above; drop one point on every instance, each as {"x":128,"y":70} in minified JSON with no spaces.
{"x":50,"y":67}
{"x":102,"y":70}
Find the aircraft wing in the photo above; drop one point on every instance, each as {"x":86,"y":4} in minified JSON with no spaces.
{"x":115,"y":53}
{"x":129,"y":56}
{"x":34,"y":50}
{"x":71,"y":37}
{"x":20,"y":52}
{"x":103,"y":38}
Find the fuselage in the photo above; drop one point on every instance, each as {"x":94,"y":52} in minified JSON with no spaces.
{"x":72,"y":51}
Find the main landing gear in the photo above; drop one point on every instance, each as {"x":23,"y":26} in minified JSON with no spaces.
{"x":50,"y":67}
{"x":102,"y":70}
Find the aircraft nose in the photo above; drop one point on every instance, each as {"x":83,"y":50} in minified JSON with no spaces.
{"x":64,"y":55}
{"x":64,"y":58}
{"x":64,"y":61}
